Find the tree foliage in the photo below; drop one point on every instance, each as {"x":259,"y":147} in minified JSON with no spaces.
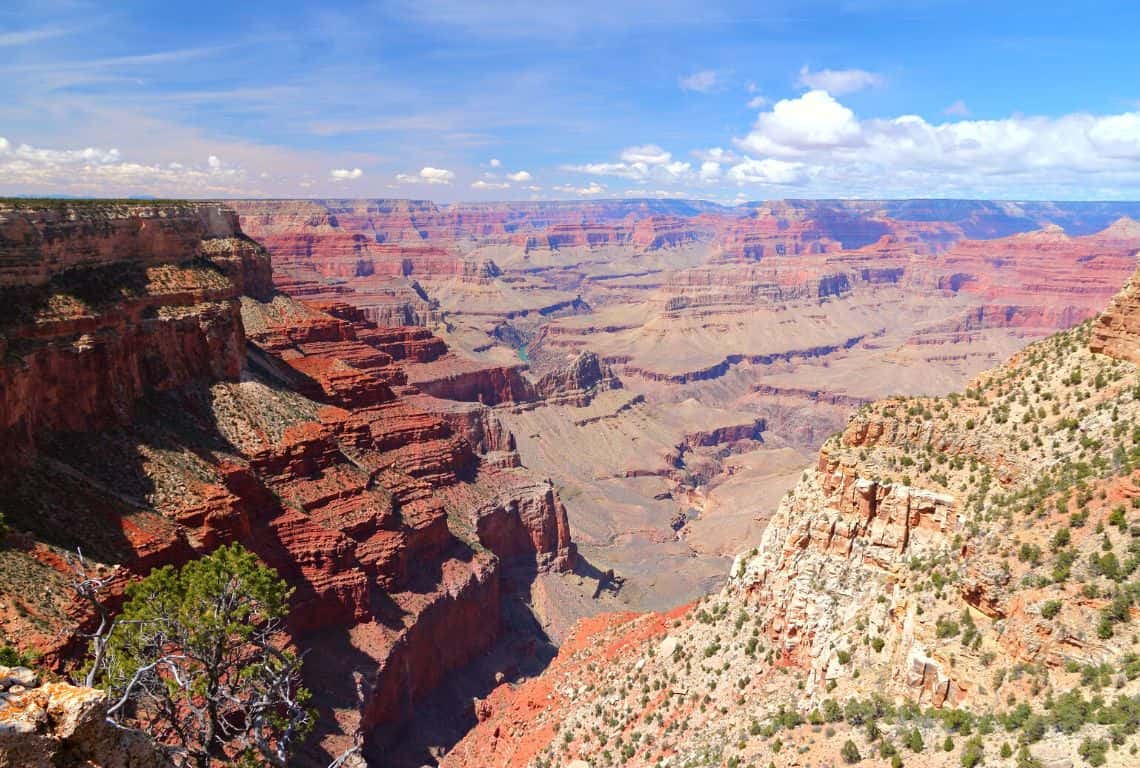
{"x":196,"y":661}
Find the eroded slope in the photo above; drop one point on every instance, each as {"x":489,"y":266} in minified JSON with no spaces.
{"x":954,"y":581}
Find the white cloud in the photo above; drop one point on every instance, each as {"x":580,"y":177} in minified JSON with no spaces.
{"x":520,"y":176}
{"x":436,"y":175}
{"x":710,"y":170}
{"x":766,"y":171}
{"x":705,"y":81}
{"x":345,"y":174}
{"x":757,"y":102}
{"x":46,"y":157}
{"x":957,"y":109}
{"x":495,"y":163}
{"x":99,"y":171}
{"x":427,"y":175}
{"x":812,"y":121}
{"x":480,"y":184}
{"x":819,"y":144}
{"x":640,"y":163}
{"x":838,"y":81}
{"x":593,"y":188}
{"x":650,"y":154}
{"x":1117,"y":136}
{"x":715,"y":154}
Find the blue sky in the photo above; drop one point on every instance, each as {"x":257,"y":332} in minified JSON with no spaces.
{"x":506,"y":99}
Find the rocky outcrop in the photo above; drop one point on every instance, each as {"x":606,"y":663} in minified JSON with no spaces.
{"x":454,"y":378}
{"x":574,"y":384}
{"x":577,"y":383}
{"x":57,"y":724}
{"x":849,"y":532}
{"x":1116,"y":331}
{"x":544,"y":533}
{"x":103,"y":304}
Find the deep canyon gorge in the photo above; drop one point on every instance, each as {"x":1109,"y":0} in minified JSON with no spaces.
{"x":481,"y":441}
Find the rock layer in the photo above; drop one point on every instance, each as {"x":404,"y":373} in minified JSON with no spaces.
{"x":949,"y":553}
{"x":166,"y":402}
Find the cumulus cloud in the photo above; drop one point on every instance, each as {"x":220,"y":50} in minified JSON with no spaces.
{"x":715,"y":154}
{"x":495,"y":163}
{"x":838,"y":81}
{"x":86,"y":156}
{"x":427,"y":175}
{"x":811,"y":122}
{"x":816,"y":142}
{"x":1118,"y":136}
{"x":705,"y":81}
{"x":436,"y":175}
{"x":757,"y":102}
{"x":640,"y":163}
{"x":480,"y":184}
{"x":710,"y":170}
{"x":650,"y":154}
{"x":767,"y":171}
{"x":102,"y":171}
{"x":593,"y":188}
{"x":345,"y":174}
{"x":520,"y":176}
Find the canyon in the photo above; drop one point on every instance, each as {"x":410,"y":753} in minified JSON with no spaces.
{"x":951,"y":583}
{"x":472,"y":437}
{"x":741,"y":337}
{"x":160,"y":397}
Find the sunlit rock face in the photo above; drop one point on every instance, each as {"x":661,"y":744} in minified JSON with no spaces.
{"x":948,"y":556}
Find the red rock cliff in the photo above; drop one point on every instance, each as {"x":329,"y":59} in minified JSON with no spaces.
{"x":165,"y":401}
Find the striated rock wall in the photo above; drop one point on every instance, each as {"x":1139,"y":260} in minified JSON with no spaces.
{"x":171,"y":402}
{"x":1116,"y":331}
{"x":42,"y":239}
{"x":104,"y":303}
{"x":837,"y":542}
{"x":577,"y":383}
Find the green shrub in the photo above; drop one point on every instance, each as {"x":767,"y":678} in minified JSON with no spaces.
{"x":1094,"y":751}
{"x":14,"y":657}
{"x":972,"y":753}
